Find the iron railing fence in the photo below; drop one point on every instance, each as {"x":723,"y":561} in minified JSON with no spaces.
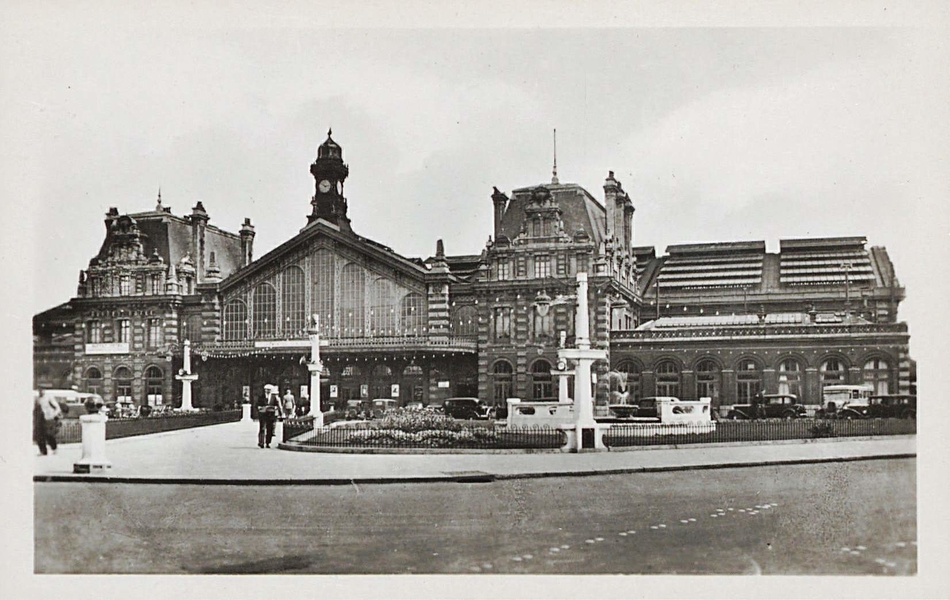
{"x":71,"y":429}
{"x":755,"y":431}
{"x":366,"y":435}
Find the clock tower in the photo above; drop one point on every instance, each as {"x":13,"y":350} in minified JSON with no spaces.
{"x":329,"y":172}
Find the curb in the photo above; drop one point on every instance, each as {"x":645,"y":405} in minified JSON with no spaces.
{"x":467,"y":477}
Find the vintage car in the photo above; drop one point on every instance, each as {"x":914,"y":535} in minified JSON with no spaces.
{"x":836,"y":396}
{"x":901,"y":406}
{"x":73,"y":403}
{"x":381,"y":405}
{"x":465,"y":408}
{"x":768,"y":406}
{"x":645,"y":407}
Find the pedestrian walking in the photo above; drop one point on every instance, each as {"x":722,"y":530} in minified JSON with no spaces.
{"x":47,"y":414}
{"x":290,"y":404}
{"x":268,"y":409}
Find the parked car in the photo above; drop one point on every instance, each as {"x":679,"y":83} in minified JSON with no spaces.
{"x":836,"y":396}
{"x":901,"y":406}
{"x":465,"y":408}
{"x":74,"y":402}
{"x":381,"y":405}
{"x":646,"y":407}
{"x":358,"y":409}
{"x":768,"y":406}
{"x":499,"y":411}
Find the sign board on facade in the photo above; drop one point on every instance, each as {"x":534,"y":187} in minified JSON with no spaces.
{"x":282,"y":344}
{"x":364,"y":391}
{"x":334,"y":391}
{"x":443,"y":384}
{"x":394,"y":391}
{"x":112,"y":348}
{"x":304,"y":391}
{"x":246,"y":393}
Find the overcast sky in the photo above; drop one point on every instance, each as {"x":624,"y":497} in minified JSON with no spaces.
{"x":718,"y":134}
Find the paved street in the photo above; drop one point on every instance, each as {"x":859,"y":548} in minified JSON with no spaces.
{"x":831,"y":518}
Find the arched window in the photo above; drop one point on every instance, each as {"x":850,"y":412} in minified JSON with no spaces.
{"x":154,"y":385}
{"x":265,"y":311}
{"x":412,"y":314}
{"x":542,"y":322}
{"x":293,"y":304}
{"x":832,"y":372}
{"x":465,"y":321}
{"x":877,"y":372}
{"x":92,"y":381}
{"x":352,"y":307}
{"x":748,"y":380}
{"x":790,"y":377}
{"x":502,"y":375}
{"x":235,"y":320}
{"x":708,"y":380}
{"x":413,"y":371}
{"x":625,"y":386}
{"x":122,"y":385}
{"x":382,"y":380}
{"x":667,"y":379}
{"x":382,"y":312}
{"x":542,"y":384}
{"x":323,"y":282}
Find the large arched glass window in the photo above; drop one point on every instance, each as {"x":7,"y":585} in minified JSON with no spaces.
{"x":235,"y":320}
{"x":542,"y":384}
{"x":122,"y":385}
{"x":265,"y":311}
{"x":412,"y":314}
{"x":154,"y":384}
{"x":382,"y":312}
{"x":832,"y":372}
{"x":625,"y":386}
{"x":293,"y":304}
{"x":708,"y":380}
{"x":353,"y":298}
{"x":92,"y":381}
{"x":667,"y":379}
{"x":790,"y":377}
{"x":465,"y":321}
{"x":877,"y":372}
{"x":323,"y":290}
{"x":502,"y":375}
{"x":748,"y":380}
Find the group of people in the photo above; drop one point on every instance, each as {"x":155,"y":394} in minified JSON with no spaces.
{"x":271,"y":407}
{"x":47,"y":421}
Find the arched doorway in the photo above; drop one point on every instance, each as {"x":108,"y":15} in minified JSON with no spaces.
{"x":154,"y":386}
{"x":748,"y":380}
{"x":122,"y":385}
{"x":542,"y":384}
{"x":502,"y":376}
{"x":708,"y":381}
{"x":667,"y":379}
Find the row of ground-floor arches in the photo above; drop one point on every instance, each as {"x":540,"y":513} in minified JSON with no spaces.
{"x":739,"y":381}
{"x":120,"y":385}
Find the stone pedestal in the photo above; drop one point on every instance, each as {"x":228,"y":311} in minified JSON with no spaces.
{"x":186,"y":377}
{"x":93,"y":444}
{"x":246,"y":413}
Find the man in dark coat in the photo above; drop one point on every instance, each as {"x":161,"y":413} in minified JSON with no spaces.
{"x":268,"y":408}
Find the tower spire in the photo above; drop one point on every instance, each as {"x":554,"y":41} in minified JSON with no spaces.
{"x":554,"y":171}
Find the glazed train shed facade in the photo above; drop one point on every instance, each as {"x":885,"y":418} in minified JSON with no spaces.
{"x":719,"y":320}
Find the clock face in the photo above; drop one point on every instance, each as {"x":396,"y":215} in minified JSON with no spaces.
{"x":324,"y":186}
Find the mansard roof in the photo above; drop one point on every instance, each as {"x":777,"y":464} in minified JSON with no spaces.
{"x":170,"y":236}
{"x":579,"y":210}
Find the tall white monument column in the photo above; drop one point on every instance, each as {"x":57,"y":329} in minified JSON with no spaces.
{"x":315,"y":366}
{"x":583,"y":356}
{"x":185,"y":376}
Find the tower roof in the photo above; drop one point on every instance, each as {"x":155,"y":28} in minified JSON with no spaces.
{"x":329,"y":148}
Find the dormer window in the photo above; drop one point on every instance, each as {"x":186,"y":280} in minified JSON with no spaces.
{"x":536,"y":226}
{"x":542,"y":266}
{"x":504,"y":269}
{"x":125,"y":285}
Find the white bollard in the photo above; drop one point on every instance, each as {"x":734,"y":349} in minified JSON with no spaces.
{"x":93,"y":444}
{"x":278,"y":432}
{"x":246,"y":413}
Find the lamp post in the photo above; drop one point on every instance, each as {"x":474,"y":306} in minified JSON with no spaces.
{"x":315,"y":367}
{"x":186,"y":377}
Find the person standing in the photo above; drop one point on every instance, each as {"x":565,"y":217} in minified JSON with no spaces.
{"x":268,"y":408}
{"x":46,"y":422}
{"x":290,"y":404}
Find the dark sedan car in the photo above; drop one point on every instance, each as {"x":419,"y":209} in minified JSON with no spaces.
{"x":900,"y":406}
{"x":769,"y":406}
{"x":465,"y":408}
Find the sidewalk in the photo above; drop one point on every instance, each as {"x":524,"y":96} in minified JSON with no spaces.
{"x":228,"y":454}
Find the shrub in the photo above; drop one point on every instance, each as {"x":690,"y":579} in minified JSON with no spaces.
{"x":823,"y":429}
{"x":416,"y":420}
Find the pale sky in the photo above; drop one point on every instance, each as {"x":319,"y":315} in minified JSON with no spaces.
{"x":724,"y":120}
{"x":717,"y":134}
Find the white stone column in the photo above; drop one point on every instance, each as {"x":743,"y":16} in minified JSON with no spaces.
{"x":316,"y":368}
{"x":246,"y":413}
{"x":93,"y":444}
{"x":185,"y":376}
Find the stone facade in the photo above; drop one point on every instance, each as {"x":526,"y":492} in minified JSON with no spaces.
{"x":720,"y":320}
